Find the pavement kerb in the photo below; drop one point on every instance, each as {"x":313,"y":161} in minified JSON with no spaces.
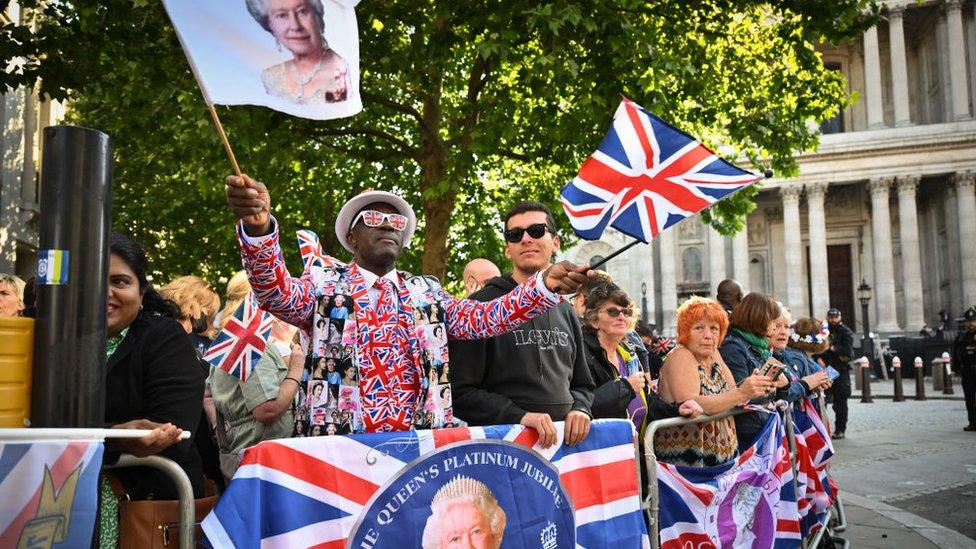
{"x":936,"y":533}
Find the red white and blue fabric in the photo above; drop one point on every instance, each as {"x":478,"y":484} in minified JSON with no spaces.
{"x":645,"y":177}
{"x":294,"y":300}
{"x":814,"y":450}
{"x":242,"y":341}
{"x":311,"y":491}
{"x":48,"y":492}
{"x":747,"y":502}
{"x":311,"y":250}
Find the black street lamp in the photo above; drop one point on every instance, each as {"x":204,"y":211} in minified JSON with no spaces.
{"x":644,"y":302}
{"x":864,"y":296}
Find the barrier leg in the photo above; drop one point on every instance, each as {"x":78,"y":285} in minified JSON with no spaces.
{"x":791,"y":441}
{"x":183,"y":488}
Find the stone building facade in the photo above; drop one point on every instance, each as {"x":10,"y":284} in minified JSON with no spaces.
{"x":888,"y":198}
{"x":23,"y":115}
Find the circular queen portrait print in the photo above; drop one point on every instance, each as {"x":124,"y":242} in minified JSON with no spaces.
{"x":472,"y":494}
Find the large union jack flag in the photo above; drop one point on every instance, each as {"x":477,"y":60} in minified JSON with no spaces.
{"x":242,"y":340}
{"x":313,"y":492}
{"x":746,"y":502}
{"x":645,"y":177}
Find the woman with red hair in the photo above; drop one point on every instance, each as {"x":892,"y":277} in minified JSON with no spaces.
{"x":695,"y":370}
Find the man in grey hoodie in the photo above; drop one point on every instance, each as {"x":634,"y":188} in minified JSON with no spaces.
{"x":537,"y":373}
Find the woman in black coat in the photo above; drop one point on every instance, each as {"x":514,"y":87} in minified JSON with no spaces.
{"x":618,"y":369}
{"x":153,"y":381}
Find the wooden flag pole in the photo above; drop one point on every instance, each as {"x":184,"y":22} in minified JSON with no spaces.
{"x":223,"y":139}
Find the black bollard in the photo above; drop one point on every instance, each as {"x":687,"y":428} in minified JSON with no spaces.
{"x":947,"y":375}
{"x":919,"y":379}
{"x":69,"y":346}
{"x":865,"y":381}
{"x":899,"y":391}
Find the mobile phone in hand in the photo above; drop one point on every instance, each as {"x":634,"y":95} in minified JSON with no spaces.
{"x":770,"y":367}
{"x":832,"y":374}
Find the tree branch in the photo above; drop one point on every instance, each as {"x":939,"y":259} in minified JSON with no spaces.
{"x":387,"y":102}
{"x":402,"y":146}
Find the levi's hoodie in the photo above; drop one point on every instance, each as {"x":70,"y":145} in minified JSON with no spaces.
{"x":540,"y":366}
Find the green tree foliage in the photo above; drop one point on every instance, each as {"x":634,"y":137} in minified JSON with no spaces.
{"x":469,"y":106}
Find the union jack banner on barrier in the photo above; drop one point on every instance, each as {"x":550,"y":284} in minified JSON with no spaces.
{"x":311,"y":250}
{"x":48,"y":492}
{"x":242,"y":340}
{"x":747,"y":502}
{"x":645,"y":177}
{"x":813,"y":452}
{"x":410,"y":489}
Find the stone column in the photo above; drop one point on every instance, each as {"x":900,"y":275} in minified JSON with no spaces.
{"x":793,"y":248}
{"x":899,"y":67}
{"x":911,"y":262}
{"x":669,"y":285}
{"x":740,"y":257}
{"x":817,"y":231}
{"x":957,"y":60}
{"x":872,"y":79}
{"x":884,"y":272}
{"x":716,"y":258}
{"x":966,"y":202}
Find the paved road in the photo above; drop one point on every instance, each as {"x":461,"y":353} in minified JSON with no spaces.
{"x":910,"y":473}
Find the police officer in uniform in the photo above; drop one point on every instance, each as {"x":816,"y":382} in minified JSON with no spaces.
{"x":964,"y":357}
{"x":839,"y":356}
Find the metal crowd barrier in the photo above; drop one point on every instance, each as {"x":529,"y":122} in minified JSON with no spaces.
{"x":187,"y":533}
{"x":651,"y":504}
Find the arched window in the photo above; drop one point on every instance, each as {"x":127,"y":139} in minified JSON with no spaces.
{"x":691,"y":265}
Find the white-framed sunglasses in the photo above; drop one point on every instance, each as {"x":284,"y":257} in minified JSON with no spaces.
{"x":373,"y":219}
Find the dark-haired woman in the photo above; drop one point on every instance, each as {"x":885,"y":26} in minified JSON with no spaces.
{"x":153,"y":380}
{"x":745,"y":350}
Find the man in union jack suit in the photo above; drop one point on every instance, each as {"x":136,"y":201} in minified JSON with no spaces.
{"x":377,"y":356}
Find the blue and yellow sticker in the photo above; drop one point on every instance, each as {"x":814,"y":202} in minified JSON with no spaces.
{"x":52,"y":267}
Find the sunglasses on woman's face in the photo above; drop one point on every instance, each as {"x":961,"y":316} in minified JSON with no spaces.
{"x":614,"y":312}
{"x":536,"y":230}
{"x":373,"y":219}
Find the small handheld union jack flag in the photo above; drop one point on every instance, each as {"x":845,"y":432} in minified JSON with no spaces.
{"x":645,"y":177}
{"x":311,"y":250}
{"x":242,"y":341}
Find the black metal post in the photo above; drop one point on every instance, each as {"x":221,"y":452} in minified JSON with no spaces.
{"x":69,"y":346}
{"x":919,"y":379}
{"x":947,"y":376}
{"x":865,"y":374}
{"x":899,"y":391}
{"x":866,"y":347}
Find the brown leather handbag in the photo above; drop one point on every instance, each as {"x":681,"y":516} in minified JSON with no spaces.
{"x":155,"y":524}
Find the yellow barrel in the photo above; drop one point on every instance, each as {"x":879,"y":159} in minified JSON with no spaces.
{"x":16,"y":366}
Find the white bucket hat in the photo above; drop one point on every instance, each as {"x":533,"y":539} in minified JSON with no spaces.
{"x":360,"y":201}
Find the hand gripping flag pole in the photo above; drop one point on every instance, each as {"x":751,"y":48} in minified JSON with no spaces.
{"x":645,"y":177}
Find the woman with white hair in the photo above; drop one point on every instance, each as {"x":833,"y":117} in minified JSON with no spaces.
{"x":464,"y":513}
{"x":11,"y":295}
{"x":315,"y":74}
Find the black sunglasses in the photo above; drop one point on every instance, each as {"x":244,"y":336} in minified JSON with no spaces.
{"x":614,"y":312}
{"x":536,"y":230}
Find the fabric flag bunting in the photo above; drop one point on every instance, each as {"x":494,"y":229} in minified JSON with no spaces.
{"x":747,"y":502}
{"x":49,"y":492}
{"x":242,"y":341}
{"x":311,"y":250}
{"x":814,"y":451}
{"x":406,"y":489}
{"x":646,"y":176}
{"x":301,"y":58}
